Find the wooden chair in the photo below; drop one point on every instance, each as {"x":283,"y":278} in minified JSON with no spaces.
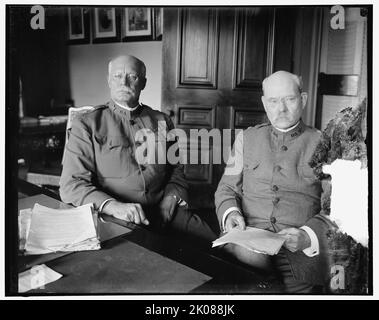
{"x":73,"y":112}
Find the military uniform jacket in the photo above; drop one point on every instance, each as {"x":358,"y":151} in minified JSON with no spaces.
{"x":100,"y":159}
{"x":277,"y":189}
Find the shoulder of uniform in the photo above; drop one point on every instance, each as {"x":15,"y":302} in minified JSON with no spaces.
{"x":258,"y":127}
{"x":262,"y":125}
{"x":99,"y":107}
{"x":252,"y":131}
{"x":94,"y":109}
{"x":150,"y":109}
{"x":313,"y":130}
{"x":155,"y":113}
{"x":87,"y":116}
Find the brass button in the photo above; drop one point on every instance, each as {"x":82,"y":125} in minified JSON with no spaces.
{"x":275,"y":201}
{"x":132,"y":122}
{"x":277,"y":168}
{"x":273,"y":220}
{"x":274,"y":188}
{"x":284,"y":148}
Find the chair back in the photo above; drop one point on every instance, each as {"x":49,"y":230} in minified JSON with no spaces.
{"x":73,"y":112}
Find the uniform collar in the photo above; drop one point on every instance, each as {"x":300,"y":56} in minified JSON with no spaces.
{"x":128,"y":113}
{"x":289,"y":135}
{"x":288,"y":129}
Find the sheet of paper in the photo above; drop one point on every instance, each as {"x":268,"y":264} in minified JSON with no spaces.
{"x":36,"y":277}
{"x":53,"y":230}
{"x":254,"y":239}
{"x":24,"y":219}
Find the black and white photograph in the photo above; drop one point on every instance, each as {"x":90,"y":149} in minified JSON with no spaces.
{"x":158,"y":23}
{"x":138,"y":24}
{"x":78,"y":25}
{"x":232,"y":158}
{"x":106,"y":25}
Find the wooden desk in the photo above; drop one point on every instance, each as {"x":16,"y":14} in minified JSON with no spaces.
{"x":134,"y":260}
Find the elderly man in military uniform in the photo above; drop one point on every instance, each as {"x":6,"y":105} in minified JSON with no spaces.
{"x":100,"y":164}
{"x":275,"y":188}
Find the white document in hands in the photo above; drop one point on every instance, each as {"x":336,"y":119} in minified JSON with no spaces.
{"x":254,"y":239}
{"x":53,"y":230}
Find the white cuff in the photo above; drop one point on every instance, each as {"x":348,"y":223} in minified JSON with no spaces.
{"x":179,"y":201}
{"x":314,"y":249}
{"x":103,"y":204}
{"x":182,"y":203}
{"x":226,"y":215}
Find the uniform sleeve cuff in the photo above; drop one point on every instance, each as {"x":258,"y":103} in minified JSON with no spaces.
{"x":102,"y":206}
{"x":313,"y":250}
{"x":104,"y":203}
{"x":179,"y":201}
{"x":226,"y":213}
{"x":178,"y":191}
{"x":182,"y":203}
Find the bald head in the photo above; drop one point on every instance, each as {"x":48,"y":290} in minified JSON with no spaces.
{"x":126,"y":79}
{"x":283,"y":99}
{"x":280,"y":77}
{"x":130,"y":60}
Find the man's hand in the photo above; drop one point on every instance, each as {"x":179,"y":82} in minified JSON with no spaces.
{"x":167,"y":208}
{"x":297,"y":239}
{"x":131,"y":212}
{"x":233,"y":220}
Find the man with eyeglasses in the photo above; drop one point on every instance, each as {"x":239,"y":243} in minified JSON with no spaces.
{"x":100,"y":164}
{"x":276,"y":189}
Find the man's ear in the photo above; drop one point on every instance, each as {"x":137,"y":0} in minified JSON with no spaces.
{"x":143,"y":83}
{"x":264,"y":102}
{"x":108,"y":81}
{"x":304,"y":98}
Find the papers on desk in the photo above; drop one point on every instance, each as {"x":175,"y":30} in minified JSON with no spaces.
{"x":254,"y":239}
{"x":24,"y":219}
{"x":36,"y":277}
{"x":51,"y":230}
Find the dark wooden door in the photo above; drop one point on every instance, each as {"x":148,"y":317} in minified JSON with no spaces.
{"x":214,"y":60}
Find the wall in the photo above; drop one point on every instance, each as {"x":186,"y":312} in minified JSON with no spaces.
{"x":344,"y":52}
{"x":88,"y":70}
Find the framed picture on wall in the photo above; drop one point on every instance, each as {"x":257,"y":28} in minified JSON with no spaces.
{"x":137,"y":24}
{"x":158,"y":23}
{"x":106,"y":25}
{"x":78,"y":25}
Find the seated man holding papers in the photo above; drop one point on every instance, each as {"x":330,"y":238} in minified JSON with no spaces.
{"x":271,"y":186}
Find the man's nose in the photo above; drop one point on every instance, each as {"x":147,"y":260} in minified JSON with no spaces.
{"x":282,"y":105}
{"x":125,"y":80}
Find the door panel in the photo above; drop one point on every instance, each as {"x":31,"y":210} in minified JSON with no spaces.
{"x":195,"y":116}
{"x":242,"y":118}
{"x":214,"y":61}
{"x":198,"y":53}
{"x":252,"y":39}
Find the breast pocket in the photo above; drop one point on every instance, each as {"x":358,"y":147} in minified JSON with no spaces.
{"x":113,"y":156}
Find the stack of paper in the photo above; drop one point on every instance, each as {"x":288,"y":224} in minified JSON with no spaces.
{"x":254,"y":239}
{"x":53,"y":230}
{"x":24,"y":219}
